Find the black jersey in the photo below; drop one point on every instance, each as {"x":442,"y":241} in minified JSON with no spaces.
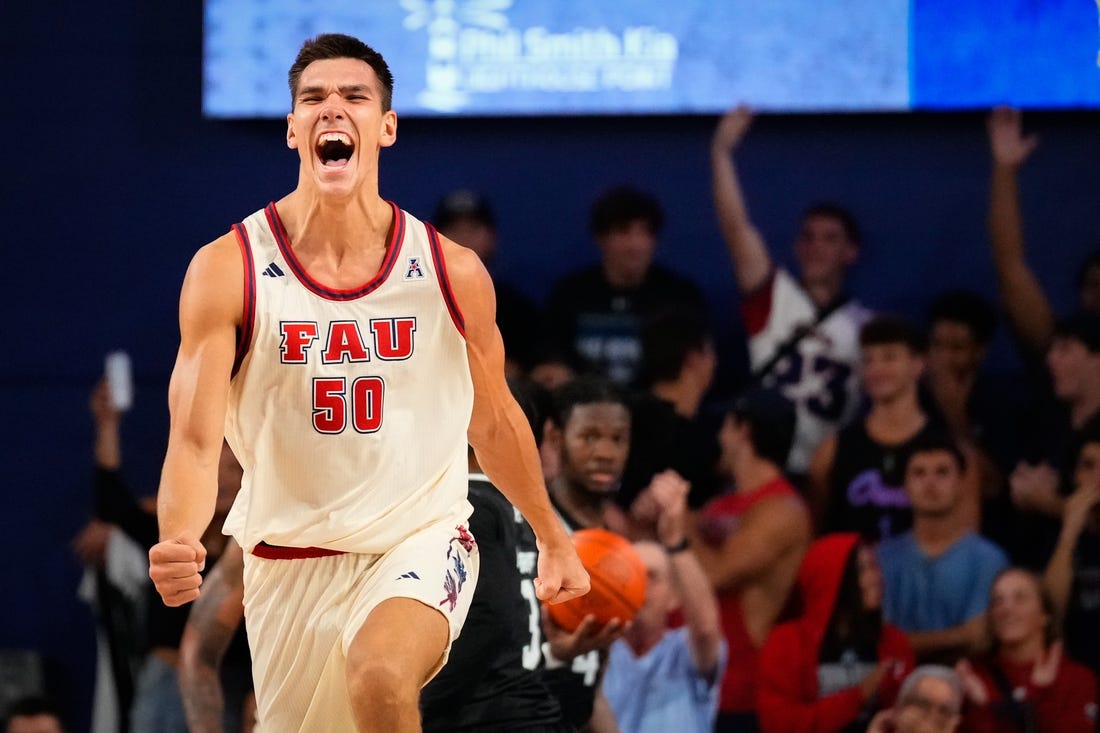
{"x":490,"y":682}
{"x":597,"y":326}
{"x":575,"y":684}
{"x":867,"y":483}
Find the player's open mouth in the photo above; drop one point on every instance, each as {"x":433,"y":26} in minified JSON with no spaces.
{"x":334,"y":149}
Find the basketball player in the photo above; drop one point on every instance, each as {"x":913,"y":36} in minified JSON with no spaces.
{"x":804,"y":333}
{"x":347,"y":352}
{"x":490,"y":682}
{"x":590,"y":427}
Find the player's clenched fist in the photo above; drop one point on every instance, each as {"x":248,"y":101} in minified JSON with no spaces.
{"x":174,"y":567}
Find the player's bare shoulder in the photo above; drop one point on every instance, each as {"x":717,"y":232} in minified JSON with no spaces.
{"x":470,"y":281}
{"x":463,"y":264}
{"x":214,"y":284}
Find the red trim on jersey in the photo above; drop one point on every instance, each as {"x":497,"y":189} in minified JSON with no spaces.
{"x":444,"y":280}
{"x":278,"y":552}
{"x":756,"y":305}
{"x":393,"y":246}
{"x":248,"y":315}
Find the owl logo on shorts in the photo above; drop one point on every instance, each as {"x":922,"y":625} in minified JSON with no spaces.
{"x":456,"y":576}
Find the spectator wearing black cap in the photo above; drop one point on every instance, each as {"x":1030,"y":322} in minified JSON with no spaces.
{"x":467,"y":218}
{"x":750,"y":541}
{"x":595,"y":315}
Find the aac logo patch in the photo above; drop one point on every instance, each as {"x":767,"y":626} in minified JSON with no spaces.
{"x":414,"y":271}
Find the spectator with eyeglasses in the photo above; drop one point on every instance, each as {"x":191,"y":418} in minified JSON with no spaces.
{"x":930,"y":701}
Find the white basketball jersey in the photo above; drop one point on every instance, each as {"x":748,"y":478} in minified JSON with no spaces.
{"x":348,"y":409}
{"x":821,"y":377}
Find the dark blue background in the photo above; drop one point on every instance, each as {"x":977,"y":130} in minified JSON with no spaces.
{"x":113,"y":179}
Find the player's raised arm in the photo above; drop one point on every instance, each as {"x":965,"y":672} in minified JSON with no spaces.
{"x":210,"y":313}
{"x":751,"y":261}
{"x":500,"y":434}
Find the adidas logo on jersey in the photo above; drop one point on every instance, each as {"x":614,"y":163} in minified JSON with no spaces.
{"x":273,"y":270}
{"x":408,"y":576}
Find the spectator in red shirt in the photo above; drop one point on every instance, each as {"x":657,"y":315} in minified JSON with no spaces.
{"x":831,"y":669}
{"x":1027,"y":685}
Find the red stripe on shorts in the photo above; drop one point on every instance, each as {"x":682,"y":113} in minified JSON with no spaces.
{"x":277,"y":552}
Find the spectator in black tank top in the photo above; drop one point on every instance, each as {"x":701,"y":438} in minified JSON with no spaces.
{"x":856,"y":476}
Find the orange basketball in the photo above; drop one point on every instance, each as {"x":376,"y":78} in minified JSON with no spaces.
{"x":618,"y":578}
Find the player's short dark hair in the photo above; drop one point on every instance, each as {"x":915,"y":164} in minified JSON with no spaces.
{"x":584,"y":390}
{"x":890,"y":329}
{"x":340,"y":46}
{"x":1081,"y":327}
{"x":840,"y":214}
{"x":968,"y":308}
{"x":668,"y":336}
{"x":620,"y":206}
{"x":771,"y":419}
{"x":30,"y":706}
{"x":935,"y":441}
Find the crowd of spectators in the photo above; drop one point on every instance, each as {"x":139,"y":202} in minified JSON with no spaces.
{"x":868,"y":537}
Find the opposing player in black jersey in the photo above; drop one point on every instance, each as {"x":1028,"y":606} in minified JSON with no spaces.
{"x":590,"y":425}
{"x":491,"y":682}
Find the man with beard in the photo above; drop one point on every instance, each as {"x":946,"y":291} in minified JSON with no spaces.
{"x":590,"y":426}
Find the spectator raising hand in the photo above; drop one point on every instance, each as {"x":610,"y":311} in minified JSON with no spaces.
{"x":1010,"y":146}
{"x":803,"y":331}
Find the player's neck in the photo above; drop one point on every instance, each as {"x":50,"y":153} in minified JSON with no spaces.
{"x":337,"y":223}
{"x":585,"y":507}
